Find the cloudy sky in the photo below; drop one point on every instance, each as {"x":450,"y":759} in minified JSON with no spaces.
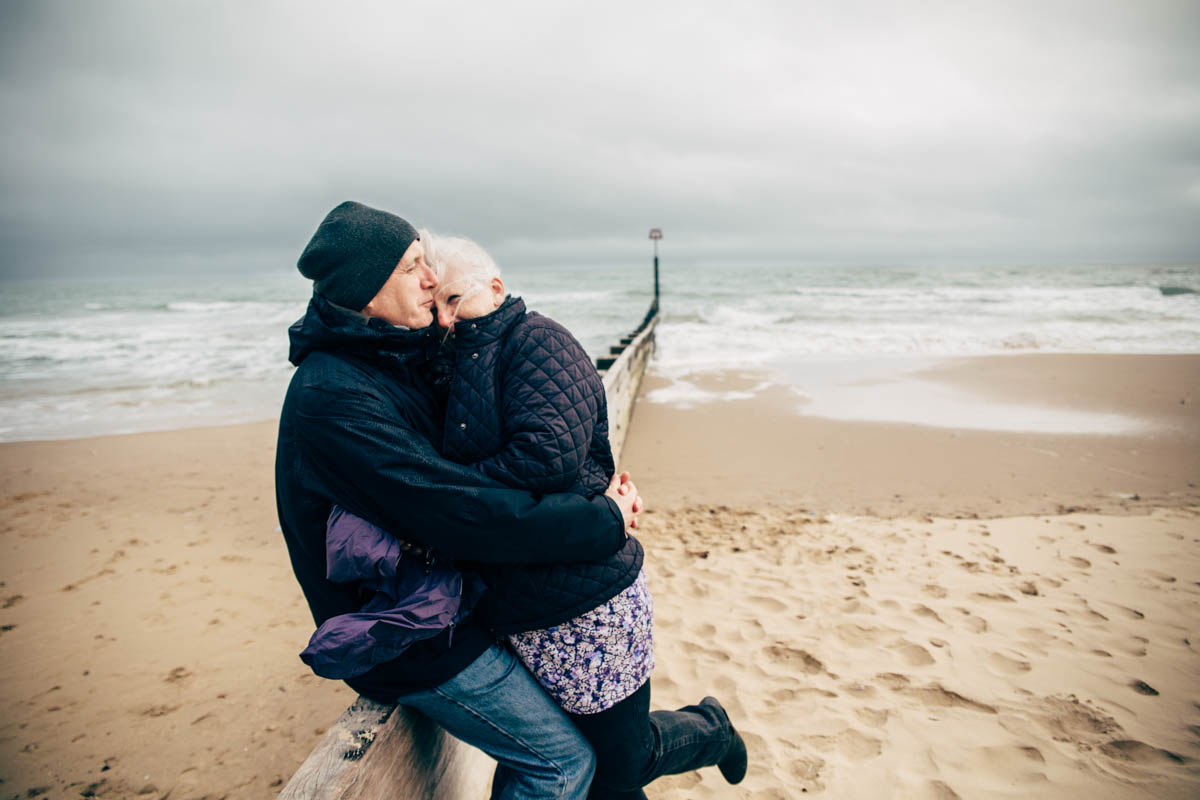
{"x":158,"y":136}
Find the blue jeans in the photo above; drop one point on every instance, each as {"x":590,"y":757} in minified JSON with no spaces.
{"x":495,"y":705}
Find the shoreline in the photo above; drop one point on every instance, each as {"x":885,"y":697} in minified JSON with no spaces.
{"x":991,"y":380}
{"x":757,"y":448}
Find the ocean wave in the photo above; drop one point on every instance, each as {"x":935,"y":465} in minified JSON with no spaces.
{"x":86,"y":358}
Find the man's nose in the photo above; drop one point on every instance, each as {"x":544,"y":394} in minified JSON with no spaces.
{"x":428,"y":279}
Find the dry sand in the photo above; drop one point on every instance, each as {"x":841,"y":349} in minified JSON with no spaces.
{"x":151,"y":620}
{"x":887,"y":610}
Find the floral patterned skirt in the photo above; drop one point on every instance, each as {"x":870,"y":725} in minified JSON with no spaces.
{"x":594,"y":661}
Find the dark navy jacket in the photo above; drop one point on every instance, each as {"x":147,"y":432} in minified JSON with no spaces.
{"x":527,"y":407}
{"x":357,"y":429}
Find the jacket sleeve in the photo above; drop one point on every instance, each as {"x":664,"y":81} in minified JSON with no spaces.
{"x":550,"y":398}
{"x":366,"y":459}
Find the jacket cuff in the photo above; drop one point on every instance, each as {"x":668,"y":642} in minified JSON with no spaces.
{"x":620,"y":520}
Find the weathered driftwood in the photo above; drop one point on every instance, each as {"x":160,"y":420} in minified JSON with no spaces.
{"x":378,"y":752}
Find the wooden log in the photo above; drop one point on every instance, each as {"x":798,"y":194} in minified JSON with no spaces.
{"x":381,"y":752}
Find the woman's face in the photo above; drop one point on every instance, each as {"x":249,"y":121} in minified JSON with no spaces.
{"x":458,"y":297}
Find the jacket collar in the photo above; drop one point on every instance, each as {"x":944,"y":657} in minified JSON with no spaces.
{"x":329,"y":327}
{"x":490,"y":327}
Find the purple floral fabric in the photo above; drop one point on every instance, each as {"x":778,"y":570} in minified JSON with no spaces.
{"x":594,"y":661}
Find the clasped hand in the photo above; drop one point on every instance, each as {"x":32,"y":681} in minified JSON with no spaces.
{"x":624,"y":494}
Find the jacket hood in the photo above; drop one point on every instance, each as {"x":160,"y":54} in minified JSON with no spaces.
{"x":326,"y":327}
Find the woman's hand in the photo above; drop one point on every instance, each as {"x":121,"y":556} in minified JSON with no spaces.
{"x":624,"y":494}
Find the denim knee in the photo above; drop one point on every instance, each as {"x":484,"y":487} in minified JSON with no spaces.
{"x":579,"y":769}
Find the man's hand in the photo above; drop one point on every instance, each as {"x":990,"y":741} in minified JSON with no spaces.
{"x":624,"y":494}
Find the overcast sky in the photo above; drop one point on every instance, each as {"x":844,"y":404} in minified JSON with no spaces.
{"x":164,"y":136}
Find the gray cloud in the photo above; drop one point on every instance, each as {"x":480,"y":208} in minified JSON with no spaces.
{"x":149,"y":136}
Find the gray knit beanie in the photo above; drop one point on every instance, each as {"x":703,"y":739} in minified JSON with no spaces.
{"x":355,"y":250}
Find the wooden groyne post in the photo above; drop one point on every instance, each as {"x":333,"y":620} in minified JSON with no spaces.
{"x":622,"y":371}
{"x":384,"y":752}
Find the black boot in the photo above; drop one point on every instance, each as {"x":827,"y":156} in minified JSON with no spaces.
{"x":733,"y":764}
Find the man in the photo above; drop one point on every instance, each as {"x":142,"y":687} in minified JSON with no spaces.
{"x":356,"y":429}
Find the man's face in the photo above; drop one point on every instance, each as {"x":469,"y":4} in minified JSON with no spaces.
{"x":406,"y":298}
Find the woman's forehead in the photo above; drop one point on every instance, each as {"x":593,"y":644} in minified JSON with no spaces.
{"x":454,"y":279}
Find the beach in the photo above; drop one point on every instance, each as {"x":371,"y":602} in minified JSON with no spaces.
{"x":886,"y":609}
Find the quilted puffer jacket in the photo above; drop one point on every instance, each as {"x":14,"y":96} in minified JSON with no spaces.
{"x":527,"y":407}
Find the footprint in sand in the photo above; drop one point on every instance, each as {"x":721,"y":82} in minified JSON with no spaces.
{"x":804,"y":693}
{"x":858,"y":635}
{"x":893,"y":680}
{"x":937,"y":696}
{"x":1007,"y":665}
{"x":158,"y":711}
{"x":1141,"y":753}
{"x":695,"y":650}
{"x":1103,"y":548}
{"x":1070,"y":720}
{"x":1076,"y":561}
{"x":858,"y":746}
{"x":934,"y":590}
{"x":850,"y":743}
{"x":1132,"y":613}
{"x":1037,"y":635}
{"x":1019,"y":764}
{"x":177,"y":675}
{"x":807,"y":769}
{"x":913,"y":654}
{"x":974,"y":624}
{"x":1136,"y":647}
{"x":767,"y":603}
{"x":780,"y":653}
{"x":922,"y":610}
{"x":876,"y":718}
{"x":940,"y":791}
{"x":995,"y":597}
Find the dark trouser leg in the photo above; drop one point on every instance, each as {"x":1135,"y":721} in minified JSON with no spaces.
{"x":634,"y":745}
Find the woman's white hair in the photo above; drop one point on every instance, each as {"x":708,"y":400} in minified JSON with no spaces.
{"x":475,"y":266}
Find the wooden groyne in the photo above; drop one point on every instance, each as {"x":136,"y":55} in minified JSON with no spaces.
{"x":384,"y":752}
{"x":380,"y":752}
{"x":623,"y":370}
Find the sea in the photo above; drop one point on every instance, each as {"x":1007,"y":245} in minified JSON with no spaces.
{"x":93,"y":357}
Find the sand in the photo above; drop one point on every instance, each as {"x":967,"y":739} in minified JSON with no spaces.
{"x":866,"y":658}
{"x":151,"y":620}
{"x":886,"y":610}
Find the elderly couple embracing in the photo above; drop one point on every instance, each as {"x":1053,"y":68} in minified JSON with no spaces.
{"x":447,"y":492}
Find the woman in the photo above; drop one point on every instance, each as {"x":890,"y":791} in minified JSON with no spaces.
{"x":525,"y":406}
